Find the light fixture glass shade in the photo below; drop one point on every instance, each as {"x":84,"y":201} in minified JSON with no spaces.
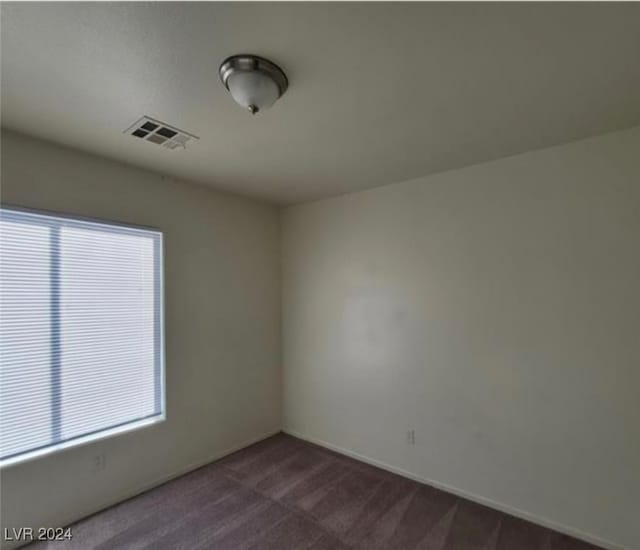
{"x":254,"y":90}
{"x":255,"y":83}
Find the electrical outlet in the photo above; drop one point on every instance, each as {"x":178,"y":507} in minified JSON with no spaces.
{"x":411,"y":437}
{"x":99,"y":462}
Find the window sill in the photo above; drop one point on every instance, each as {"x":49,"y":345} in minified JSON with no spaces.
{"x":83,"y":440}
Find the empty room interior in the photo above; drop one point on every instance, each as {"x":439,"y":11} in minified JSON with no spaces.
{"x":320,"y":276}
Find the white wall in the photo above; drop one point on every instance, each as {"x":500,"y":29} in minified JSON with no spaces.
{"x":222,"y":304}
{"x":493,"y":309}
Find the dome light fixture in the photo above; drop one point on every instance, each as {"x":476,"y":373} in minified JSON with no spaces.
{"x":254,"y":82}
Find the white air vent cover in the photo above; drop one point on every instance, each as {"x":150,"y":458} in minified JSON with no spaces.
{"x":160,"y":133}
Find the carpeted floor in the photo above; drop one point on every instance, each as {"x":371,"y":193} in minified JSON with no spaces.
{"x":283,"y":493}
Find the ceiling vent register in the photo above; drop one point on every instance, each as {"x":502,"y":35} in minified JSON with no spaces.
{"x":160,"y":133}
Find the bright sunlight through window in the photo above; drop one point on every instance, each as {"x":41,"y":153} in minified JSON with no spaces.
{"x":81,"y":338}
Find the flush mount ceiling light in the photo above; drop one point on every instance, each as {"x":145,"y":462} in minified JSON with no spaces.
{"x":255,"y":83}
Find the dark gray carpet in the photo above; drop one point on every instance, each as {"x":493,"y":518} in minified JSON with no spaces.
{"x":283,"y":493}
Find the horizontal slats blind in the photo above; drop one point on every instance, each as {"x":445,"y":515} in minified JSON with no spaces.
{"x":80,"y":328}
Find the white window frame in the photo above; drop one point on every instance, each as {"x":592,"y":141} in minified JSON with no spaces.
{"x":133,"y":424}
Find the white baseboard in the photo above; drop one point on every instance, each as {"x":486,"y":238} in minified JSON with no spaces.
{"x":544,"y":522}
{"x":182,"y":471}
{"x":6,"y":545}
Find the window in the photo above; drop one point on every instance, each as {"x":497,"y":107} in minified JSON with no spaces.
{"x":81,"y":339}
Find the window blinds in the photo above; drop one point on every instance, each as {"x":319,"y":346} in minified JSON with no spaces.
{"x":81,"y":349}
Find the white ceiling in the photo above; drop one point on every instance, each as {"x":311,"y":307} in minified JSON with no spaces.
{"x":379,"y":92}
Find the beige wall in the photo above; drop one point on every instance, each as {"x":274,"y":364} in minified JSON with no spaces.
{"x":495,"y":310}
{"x":222,"y":304}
